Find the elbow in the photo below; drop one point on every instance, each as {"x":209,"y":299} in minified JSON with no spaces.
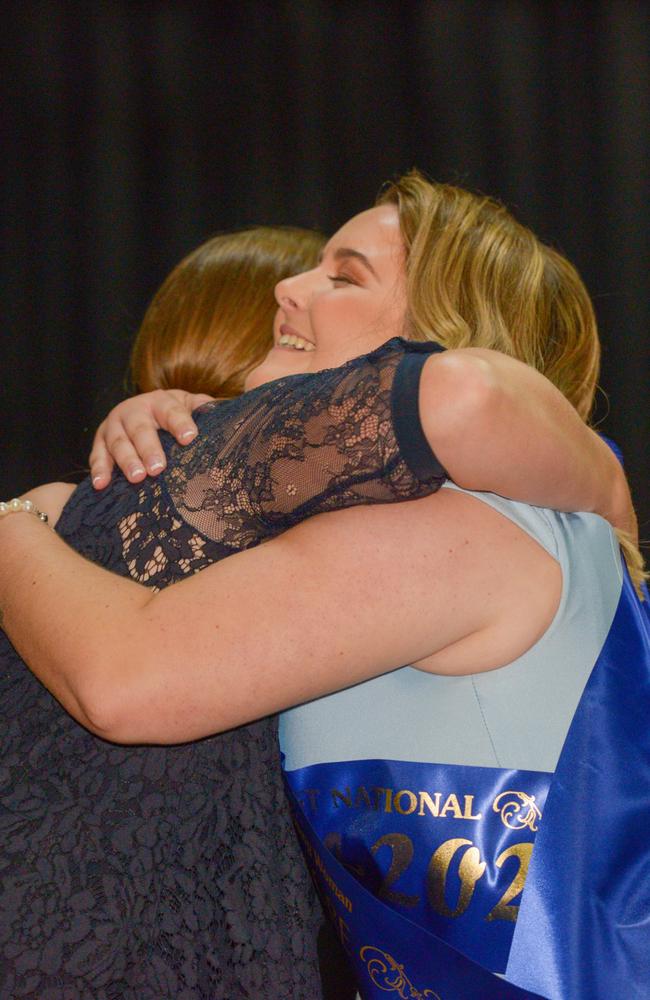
{"x":133,"y":704}
{"x":97,"y":710}
{"x":617,"y":506}
{"x":113,"y":720}
{"x":103,"y":703}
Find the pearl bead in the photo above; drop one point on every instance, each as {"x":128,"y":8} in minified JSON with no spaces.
{"x":16,"y":506}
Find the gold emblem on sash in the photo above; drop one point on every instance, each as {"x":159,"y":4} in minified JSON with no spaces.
{"x":389,"y":976}
{"x":517,"y":810}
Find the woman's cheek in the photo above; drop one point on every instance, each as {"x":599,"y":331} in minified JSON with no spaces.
{"x":339,"y":317}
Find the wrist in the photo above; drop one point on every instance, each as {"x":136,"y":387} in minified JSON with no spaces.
{"x":20,"y":541}
{"x":20,"y":506}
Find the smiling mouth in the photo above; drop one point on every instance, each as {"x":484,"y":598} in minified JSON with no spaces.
{"x":294,"y":342}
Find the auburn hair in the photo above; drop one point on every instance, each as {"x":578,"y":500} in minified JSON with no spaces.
{"x":211,"y":320}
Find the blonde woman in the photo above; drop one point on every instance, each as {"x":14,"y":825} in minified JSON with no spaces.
{"x":215,"y":652}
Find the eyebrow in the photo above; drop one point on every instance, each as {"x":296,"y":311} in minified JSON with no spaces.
{"x":343,"y":253}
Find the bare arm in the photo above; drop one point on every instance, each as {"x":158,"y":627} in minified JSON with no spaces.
{"x":52,"y":498}
{"x":498,"y":425}
{"x":284,"y":622}
{"x":494,"y":423}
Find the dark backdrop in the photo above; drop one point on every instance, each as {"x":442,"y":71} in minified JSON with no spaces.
{"x":134,"y":130}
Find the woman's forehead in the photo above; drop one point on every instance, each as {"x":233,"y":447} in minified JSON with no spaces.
{"x":374,"y":233}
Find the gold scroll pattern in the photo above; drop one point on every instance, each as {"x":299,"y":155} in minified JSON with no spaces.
{"x":517,"y":810}
{"x":389,"y":976}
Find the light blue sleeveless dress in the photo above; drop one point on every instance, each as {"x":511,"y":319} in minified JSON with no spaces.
{"x":514,"y":717}
{"x":431,"y":789}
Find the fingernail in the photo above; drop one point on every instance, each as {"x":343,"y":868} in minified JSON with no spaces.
{"x":187,"y":434}
{"x":136,"y":470}
{"x":155,"y":466}
{"x":99,"y":478}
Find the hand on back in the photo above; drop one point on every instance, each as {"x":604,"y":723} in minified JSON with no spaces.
{"x":128,"y":437}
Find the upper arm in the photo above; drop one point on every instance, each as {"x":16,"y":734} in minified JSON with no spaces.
{"x":476,"y":402}
{"x":498,"y":425}
{"x":336,"y":600}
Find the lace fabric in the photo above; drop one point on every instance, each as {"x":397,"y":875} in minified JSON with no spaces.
{"x":262,"y":463}
{"x":173,"y":872}
{"x":143,"y":873}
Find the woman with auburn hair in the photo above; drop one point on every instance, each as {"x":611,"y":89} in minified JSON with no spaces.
{"x":354,"y":429}
{"x":112,"y":883}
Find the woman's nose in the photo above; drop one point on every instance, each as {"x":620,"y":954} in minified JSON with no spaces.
{"x":287,"y":293}
{"x":296,"y":291}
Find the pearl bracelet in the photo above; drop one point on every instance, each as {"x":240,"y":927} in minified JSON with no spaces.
{"x":17,"y":506}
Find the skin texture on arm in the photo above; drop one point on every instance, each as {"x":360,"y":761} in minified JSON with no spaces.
{"x":496,"y":425}
{"x":290,"y":620}
{"x":51,"y":498}
{"x":499,"y":426}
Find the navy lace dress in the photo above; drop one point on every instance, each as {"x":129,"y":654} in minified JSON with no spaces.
{"x":173,"y":873}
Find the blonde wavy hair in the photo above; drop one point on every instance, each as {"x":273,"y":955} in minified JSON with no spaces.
{"x":478,"y":278}
{"x":211,"y":320}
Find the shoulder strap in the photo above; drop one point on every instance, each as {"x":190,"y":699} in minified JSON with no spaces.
{"x":411,"y":439}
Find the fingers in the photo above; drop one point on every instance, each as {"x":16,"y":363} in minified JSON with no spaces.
{"x":129,"y":437}
{"x":173,"y":411}
{"x":136,"y":447}
{"x":175,"y":418}
{"x":118,"y":442}
{"x":115,"y":449}
{"x":124,"y":447}
{"x":101,"y":463}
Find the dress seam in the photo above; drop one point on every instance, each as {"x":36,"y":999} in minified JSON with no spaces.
{"x":487,"y":728}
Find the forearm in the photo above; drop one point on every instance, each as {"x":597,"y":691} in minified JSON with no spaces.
{"x":68,"y":618}
{"x":499,"y":426}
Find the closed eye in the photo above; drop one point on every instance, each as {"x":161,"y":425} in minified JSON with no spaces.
{"x":341,"y":278}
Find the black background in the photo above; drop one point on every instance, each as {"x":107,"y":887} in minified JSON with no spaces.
{"x":132,"y":131}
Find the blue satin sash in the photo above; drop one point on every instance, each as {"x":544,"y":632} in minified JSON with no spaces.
{"x":389,"y":952}
{"x":446,"y":846}
{"x":411,"y":880}
{"x":583,"y":931}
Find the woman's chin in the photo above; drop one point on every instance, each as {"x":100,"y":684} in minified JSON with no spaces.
{"x":279,"y":362}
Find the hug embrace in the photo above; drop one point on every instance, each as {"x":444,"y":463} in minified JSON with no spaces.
{"x":428,"y":685}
